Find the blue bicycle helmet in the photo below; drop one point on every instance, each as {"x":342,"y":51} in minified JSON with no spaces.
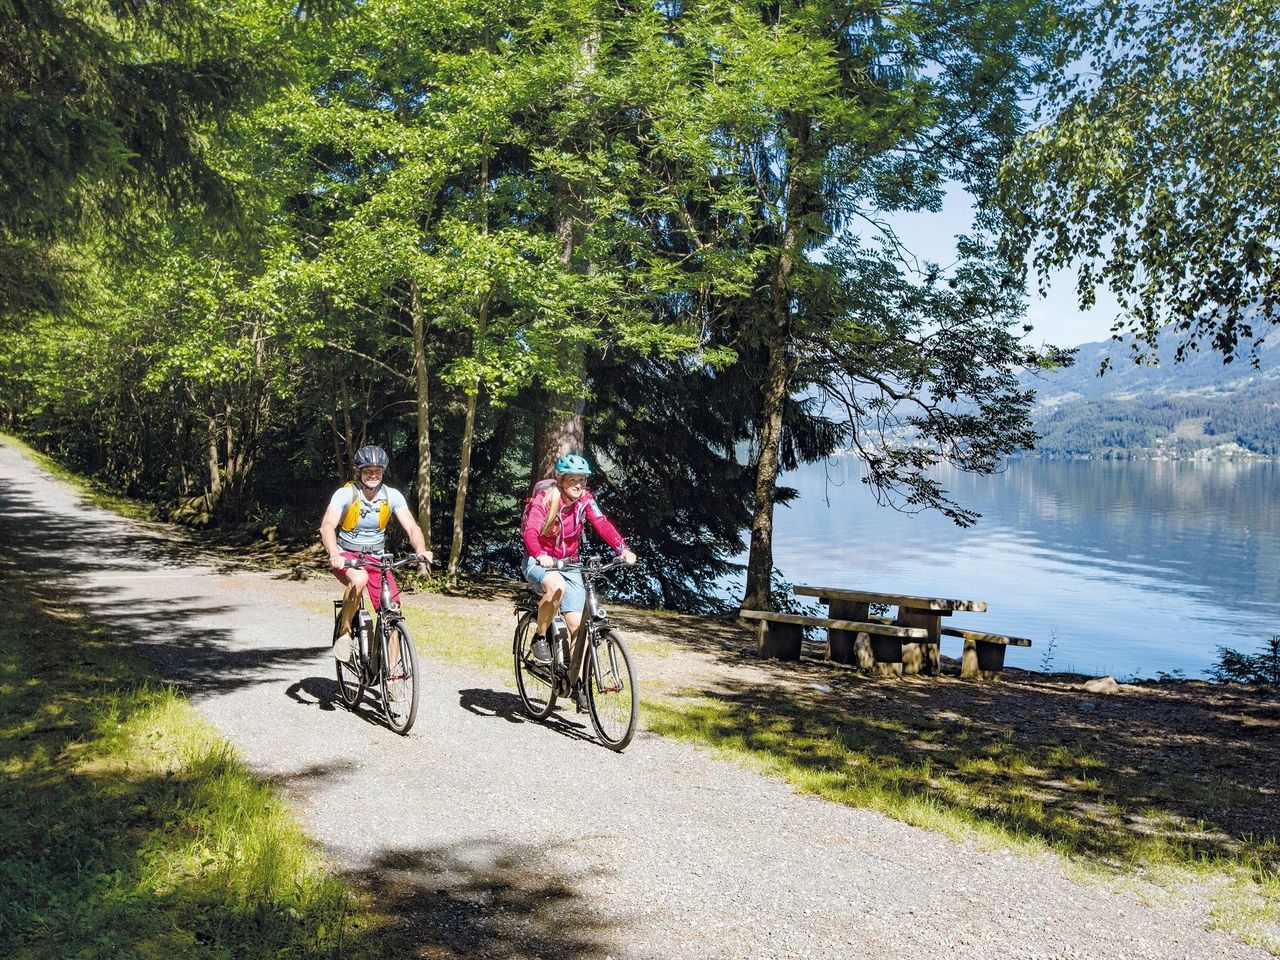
{"x":371,"y":456}
{"x":573,"y":463}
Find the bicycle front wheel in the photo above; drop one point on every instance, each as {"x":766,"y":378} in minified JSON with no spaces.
{"x":350,"y":678}
{"x":400,"y":680}
{"x":533,"y":679}
{"x":611,"y":690}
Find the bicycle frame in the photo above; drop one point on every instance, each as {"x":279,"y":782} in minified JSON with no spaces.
{"x":388,"y":612}
{"x":594,"y":619}
{"x":389,"y":662}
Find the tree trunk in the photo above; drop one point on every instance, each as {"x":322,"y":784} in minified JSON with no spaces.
{"x":560,"y":425}
{"x":344,"y":468}
{"x":469,"y":424}
{"x":464,"y":467}
{"x":424,"y":420}
{"x":560,"y":429}
{"x":214,"y":493}
{"x":776,"y":384}
{"x":778,"y":374}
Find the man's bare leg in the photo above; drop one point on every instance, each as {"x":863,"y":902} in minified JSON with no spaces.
{"x":351,"y":599}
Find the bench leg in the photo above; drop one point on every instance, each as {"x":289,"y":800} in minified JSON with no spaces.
{"x":925,"y":656}
{"x":849,"y":647}
{"x":982,"y":660}
{"x":863,"y":655}
{"x":780,"y":641}
{"x":842,"y":645}
{"x":886,"y":655}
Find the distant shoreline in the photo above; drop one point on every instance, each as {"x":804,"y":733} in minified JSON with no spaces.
{"x":1152,"y":456}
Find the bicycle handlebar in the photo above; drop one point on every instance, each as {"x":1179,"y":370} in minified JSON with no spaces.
{"x":375,"y":560}
{"x":592,"y":565}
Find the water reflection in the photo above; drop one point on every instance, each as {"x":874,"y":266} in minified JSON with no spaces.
{"x":1134,"y":567}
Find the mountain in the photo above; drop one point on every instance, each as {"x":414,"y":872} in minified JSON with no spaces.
{"x":1201,"y":407}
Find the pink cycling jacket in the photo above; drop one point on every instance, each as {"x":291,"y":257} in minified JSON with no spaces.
{"x":561,"y":541}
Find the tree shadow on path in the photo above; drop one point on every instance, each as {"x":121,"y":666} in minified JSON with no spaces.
{"x":103,"y":565}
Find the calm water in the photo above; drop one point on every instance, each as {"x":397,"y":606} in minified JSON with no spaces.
{"x":1133,"y":567}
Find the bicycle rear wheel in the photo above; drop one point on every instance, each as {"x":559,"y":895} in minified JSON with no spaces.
{"x":400,"y":680}
{"x":533,"y":679}
{"x":611,"y":690}
{"x":350,"y":676}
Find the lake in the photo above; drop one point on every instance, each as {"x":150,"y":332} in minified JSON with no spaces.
{"x":1131,"y":567}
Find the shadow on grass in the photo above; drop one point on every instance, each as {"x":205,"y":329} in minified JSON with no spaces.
{"x":1167,"y":773}
{"x":1119,"y":784}
{"x":127,"y":834}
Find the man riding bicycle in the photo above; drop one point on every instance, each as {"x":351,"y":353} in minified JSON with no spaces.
{"x":355,"y":523}
{"x":552,"y":529}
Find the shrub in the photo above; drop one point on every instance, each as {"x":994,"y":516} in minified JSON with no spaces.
{"x":1236,"y":667}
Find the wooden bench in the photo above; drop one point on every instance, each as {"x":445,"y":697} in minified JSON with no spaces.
{"x":925,"y":613}
{"x":878,"y":643}
{"x":983,"y":657}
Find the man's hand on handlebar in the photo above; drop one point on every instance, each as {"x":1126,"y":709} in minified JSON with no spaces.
{"x":337,"y":560}
{"x":629,"y":557}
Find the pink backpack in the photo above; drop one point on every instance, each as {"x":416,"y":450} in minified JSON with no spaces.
{"x":539,"y":487}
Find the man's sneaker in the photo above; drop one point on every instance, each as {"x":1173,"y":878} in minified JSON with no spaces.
{"x":580,"y":699}
{"x":540,"y":650}
{"x":342,"y":648}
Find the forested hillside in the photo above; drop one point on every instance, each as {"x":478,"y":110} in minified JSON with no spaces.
{"x":1201,"y":407}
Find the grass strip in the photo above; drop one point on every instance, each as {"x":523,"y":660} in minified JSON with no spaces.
{"x":130,"y":827}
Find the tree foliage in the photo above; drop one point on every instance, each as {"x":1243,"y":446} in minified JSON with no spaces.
{"x":462,"y":224}
{"x":105,"y":108}
{"x":1152,"y":172}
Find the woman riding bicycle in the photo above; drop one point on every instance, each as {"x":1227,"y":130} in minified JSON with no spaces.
{"x":355,"y":523}
{"x":553,"y":526}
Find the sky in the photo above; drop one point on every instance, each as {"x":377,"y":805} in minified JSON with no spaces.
{"x":1057,"y":318}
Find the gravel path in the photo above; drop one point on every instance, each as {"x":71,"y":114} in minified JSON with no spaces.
{"x":496,"y":837}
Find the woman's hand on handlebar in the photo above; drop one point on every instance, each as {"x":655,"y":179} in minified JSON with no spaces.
{"x":545,"y":561}
{"x":337,"y":561}
{"x":628,"y":557}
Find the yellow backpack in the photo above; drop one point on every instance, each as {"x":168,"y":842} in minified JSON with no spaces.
{"x":351,"y":516}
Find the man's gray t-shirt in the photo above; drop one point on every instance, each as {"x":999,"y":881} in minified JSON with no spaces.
{"x":366,"y":535}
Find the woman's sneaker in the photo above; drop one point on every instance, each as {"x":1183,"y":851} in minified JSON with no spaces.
{"x":342,"y":648}
{"x":540,"y":650}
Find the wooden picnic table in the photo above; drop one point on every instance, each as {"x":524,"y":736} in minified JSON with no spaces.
{"x":886,"y":654}
{"x":889,"y":654}
{"x":908,"y":643}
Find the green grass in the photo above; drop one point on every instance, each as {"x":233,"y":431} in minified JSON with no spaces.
{"x":458,"y":639}
{"x":131,"y":830}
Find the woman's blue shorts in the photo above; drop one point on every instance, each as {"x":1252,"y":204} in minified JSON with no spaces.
{"x":574,"y":597}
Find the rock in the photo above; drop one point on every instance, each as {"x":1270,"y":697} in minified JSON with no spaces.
{"x":1102,"y":685}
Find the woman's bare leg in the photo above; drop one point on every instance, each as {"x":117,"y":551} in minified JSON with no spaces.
{"x":549,"y":605}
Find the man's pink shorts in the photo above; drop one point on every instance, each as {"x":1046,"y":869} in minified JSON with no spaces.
{"x":375,"y":580}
